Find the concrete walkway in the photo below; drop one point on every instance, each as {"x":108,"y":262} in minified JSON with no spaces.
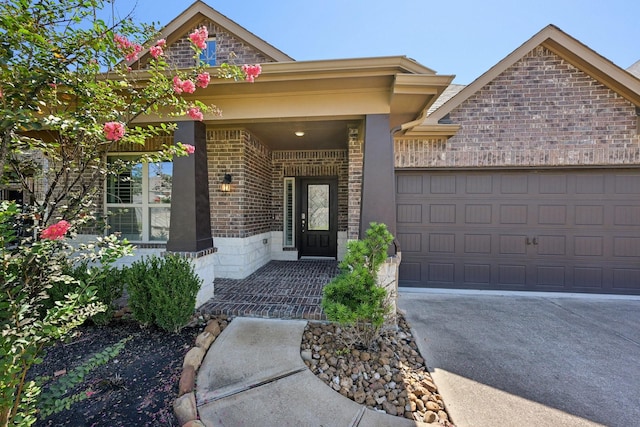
{"x":253,"y":375}
{"x":545,"y":360}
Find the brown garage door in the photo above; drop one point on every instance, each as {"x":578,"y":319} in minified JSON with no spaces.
{"x":576,"y":231}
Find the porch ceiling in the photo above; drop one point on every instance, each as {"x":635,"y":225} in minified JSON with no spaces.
{"x":318,"y":134}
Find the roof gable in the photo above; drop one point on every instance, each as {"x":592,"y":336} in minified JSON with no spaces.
{"x":558,"y":42}
{"x":198,"y":12}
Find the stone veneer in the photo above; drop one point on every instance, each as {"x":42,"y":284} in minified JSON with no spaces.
{"x":541,"y":111}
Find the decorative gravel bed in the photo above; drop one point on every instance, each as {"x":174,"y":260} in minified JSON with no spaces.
{"x":391,"y":377}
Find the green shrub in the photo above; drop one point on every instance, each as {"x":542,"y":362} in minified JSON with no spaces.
{"x":107,"y":281}
{"x":353,"y":299}
{"x":162,"y":291}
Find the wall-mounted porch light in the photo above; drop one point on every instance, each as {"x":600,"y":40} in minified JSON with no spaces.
{"x":225,"y":186}
{"x":299,"y":133}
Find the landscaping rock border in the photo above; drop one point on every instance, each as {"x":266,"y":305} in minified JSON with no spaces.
{"x":393,"y":378}
{"x":184,"y":407}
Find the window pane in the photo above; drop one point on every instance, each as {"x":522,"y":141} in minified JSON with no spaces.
{"x":208,"y":55}
{"x":126,"y":187}
{"x":128,"y":221}
{"x":288,"y":211}
{"x":160,"y":175}
{"x":318,"y":207}
{"x":159,"y":224}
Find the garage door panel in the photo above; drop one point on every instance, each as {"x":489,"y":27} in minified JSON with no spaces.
{"x":443,"y":273}
{"x":588,"y":278}
{"x":477,"y":244}
{"x":410,"y":271}
{"x":590,"y":184}
{"x":626,"y":278}
{"x":589,"y":246}
{"x":410,"y":242}
{"x":514,"y":214}
{"x":409,"y":184}
{"x":627,"y":184}
{"x":442,"y":214}
{"x":477,"y":214}
{"x":552,"y":184}
{"x":443,"y":184}
{"x":551,"y":245}
{"x":479,"y":184}
{"x":442,"y":243}
{"x":626,"y":247}
{"x":551,"y":276}
{"x":512,"y":275}
{"x":626,"y":215}
{"x":561,"y":230}
{"x":589,"y":215}
{"x":513,"y":244}
{"x":552,"y":215}
{"x":477,"y":274}
{"x":510,"y":184}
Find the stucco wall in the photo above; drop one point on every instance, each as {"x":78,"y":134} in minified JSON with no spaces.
{"x":542,"y":111}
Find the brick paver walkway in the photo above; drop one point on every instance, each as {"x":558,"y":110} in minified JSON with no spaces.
{"x":280,"y":289}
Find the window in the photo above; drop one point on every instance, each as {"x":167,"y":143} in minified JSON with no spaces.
{"x":139,"y":201}
{"x":288,"y":229}
{"x":208,"y":55}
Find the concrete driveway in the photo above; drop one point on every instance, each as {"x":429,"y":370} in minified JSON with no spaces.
{"x":543,"y":360}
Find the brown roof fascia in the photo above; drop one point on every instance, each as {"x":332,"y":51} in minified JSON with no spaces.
{"x":575,"y":52}
{"x":198,"y":11}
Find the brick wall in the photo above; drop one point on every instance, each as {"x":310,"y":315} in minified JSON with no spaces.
{"x":305,"y":163}
{"x":228,"y":49}
{"x":356,"y":159}
{"x":542,"y":111}
{"x":246,"y":210}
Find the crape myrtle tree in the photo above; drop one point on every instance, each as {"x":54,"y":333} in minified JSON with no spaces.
{"x":68,"y":97}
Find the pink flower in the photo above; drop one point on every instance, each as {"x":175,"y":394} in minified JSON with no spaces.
{"x":199,"y":37}
{"x":252,"y":71}
{"x":113,"y":131}
{"x":195,"y":113}
{"x":130,"y":50}
{"x":188,"y":86}
{"x":155,"y":51}
{"x":190,"y":149}
{"x":203,"y":80}
{"x":177,"y":85}
{"x":161,"y":43}
{"x":56,"y":231}
{"x":90,"y":393}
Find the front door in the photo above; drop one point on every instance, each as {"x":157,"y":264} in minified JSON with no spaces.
{"x":318,"y":217}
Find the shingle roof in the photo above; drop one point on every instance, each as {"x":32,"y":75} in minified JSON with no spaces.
{"x":448,"y":93}
{"x":635,"y":69}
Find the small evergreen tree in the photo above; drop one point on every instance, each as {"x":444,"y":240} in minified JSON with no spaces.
{"x":353,"y":299}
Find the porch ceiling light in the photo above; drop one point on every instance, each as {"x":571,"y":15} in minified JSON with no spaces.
{"x":225,"y":186}
{"x":299,"y":133}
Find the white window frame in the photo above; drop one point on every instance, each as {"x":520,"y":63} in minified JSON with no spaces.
{"x":289,"y":212}
{"x":145,"y":205}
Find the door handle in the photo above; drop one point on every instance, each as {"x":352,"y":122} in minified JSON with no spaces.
{"x":535,"y":240}
{"x":528,"y":241}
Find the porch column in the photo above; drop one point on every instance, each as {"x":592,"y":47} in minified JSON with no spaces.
{"x":378,"y":178}
{"x":190,"y":226}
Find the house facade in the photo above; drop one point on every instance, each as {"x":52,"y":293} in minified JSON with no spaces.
{"x":526,"y":179}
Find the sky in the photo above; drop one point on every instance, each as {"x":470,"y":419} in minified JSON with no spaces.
{"x":453,"y":37}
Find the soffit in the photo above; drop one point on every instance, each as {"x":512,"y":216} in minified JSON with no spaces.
{"x":326,"y":95}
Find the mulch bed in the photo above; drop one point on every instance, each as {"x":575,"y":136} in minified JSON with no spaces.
{"x":137,"y":387}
